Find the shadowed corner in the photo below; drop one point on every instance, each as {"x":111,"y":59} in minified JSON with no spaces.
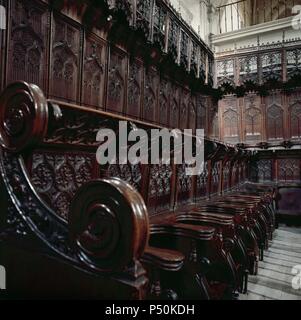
{"x":2,"y":278}
{"x":2,"y":18}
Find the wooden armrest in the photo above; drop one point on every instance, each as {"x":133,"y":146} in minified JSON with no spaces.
{"x":206,"y":217}
{"x":163,"y":259}
{"x":184,"y":230}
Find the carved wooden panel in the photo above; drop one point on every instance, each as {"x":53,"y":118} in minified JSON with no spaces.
{"x":225,"y":72}
{"x":117,"y":81}
{"x":184,"y":185}
{"x":253,"y":118}
{"x":235,"y":174}
{"x":135,"y":88}
{"x":160,"y":188}
{"x":293,"y":63}
{"x":271,"y":66}
{"x":194,"y":59}
{"x":248,"y":69}
{"x":192,"y":122}
{"x":163,"y":108}
{"x":289,"y":201}
{"x":159,"y":30}
{"x":65,"y":59}
{"x":215,"y":176}
{"x":28,"y":45}
{"x":58,"y":176}
{"x":94,"y":68}
{"x":129,"y":173}
{"x":151,"y":84}
{"x":173,"y":38}
{"x":226,"y":175}
{"x":231,"y":120}
{"x":262,"y":171}
{"x":202,"y":183}
{"x":184,"y":50}
{"x":275,"y":118}
{"x":202,"y":65}
{"x":295,"y":115}
{"x":289,"y":170}
{"x":184,"y":110}
{"x":201,"y":112}
{"x":144,"y":13}
{"x":174,"y":108}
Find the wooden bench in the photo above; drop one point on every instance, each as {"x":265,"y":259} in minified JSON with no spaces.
{"x":143,"y":231}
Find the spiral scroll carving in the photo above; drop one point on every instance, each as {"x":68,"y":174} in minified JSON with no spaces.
{"x":108,"y":224}
{"x":23,"y":116}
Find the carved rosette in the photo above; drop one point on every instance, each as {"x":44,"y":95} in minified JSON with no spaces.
{"x":108,"y":224}
{"x":23,"y":116}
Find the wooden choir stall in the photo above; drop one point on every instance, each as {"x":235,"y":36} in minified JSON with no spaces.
{"x":70,"y":227}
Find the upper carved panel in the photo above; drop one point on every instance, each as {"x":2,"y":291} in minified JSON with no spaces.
{"x":135,"y":88}
{"x":28,"y":43}
{"x":65,"y":59}
{"x":94,"y":67}
{"x":225,"y":72}
{"x":116,"y":81}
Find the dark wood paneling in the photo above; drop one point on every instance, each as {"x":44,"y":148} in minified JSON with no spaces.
{"x":28,"y":43}
{"x":151,"y":87}
{"x":117,"y":80}
{"x":94,"y":71}
{"x":66,"y":52}
{"x":135,"y":88}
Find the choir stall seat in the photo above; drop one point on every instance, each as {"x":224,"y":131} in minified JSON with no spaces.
{"x":123,"y":224}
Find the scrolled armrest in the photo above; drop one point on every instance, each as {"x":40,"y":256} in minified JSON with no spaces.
{"x":23,"y":116}
{"x":163,"y":259}
{"x":108,"y":224}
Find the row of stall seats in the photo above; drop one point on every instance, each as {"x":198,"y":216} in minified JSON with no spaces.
{"x":150,"y":231}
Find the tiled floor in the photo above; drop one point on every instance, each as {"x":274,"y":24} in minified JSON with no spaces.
{"x":274,"y":280}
